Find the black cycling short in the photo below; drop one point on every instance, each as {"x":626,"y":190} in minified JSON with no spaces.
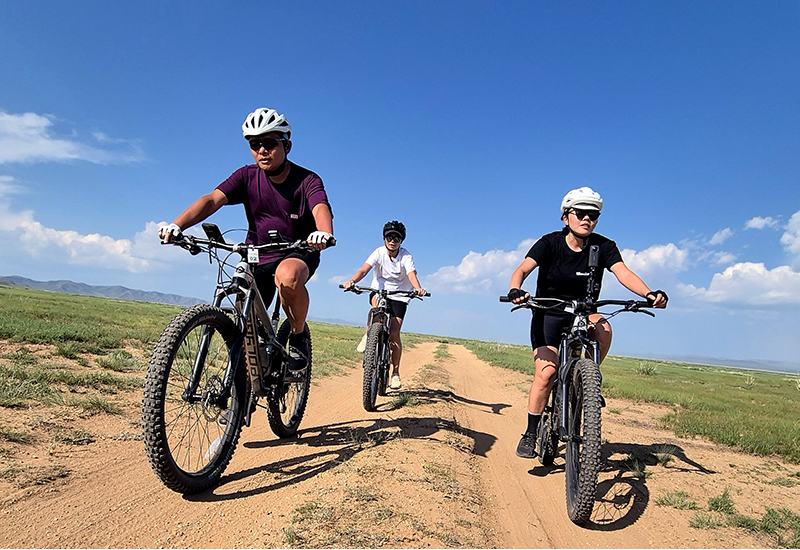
{"x":547,"y":328}
{"x":397,"y":307}
{"x":264,"y":274}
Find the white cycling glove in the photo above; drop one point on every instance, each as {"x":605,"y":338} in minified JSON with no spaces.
{"x":173,"y":230}
{"x":319,"y":237}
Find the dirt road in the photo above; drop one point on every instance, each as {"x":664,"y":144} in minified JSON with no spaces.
{"x":434,"y":467}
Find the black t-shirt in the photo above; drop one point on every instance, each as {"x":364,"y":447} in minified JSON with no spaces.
{"x":563,"y":273}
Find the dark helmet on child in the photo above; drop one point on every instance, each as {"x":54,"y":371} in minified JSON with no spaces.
{"x":395,"y":227}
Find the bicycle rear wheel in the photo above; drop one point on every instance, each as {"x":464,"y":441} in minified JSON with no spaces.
{"x":583,"y":443}
{"x":373,"y":355}
{"x":190,"y":440}
{"x":287,"y":405}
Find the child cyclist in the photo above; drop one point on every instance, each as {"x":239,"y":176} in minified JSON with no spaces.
{"x":394,"y":270}
{"x":563,"y":261}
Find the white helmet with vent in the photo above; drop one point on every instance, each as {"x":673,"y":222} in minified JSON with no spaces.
{"x":584,"y":198}
{"x":263,"y":120}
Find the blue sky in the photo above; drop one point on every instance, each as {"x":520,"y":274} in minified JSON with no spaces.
{"x":468,"y":121}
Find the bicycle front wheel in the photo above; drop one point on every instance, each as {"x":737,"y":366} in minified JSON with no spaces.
{"x":190,"y":439}
{"x":373,"y":356}
{"x":287,"y":405}
{"x":583,"y":443}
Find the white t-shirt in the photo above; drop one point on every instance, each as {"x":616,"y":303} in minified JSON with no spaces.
{"x":391,"y":273}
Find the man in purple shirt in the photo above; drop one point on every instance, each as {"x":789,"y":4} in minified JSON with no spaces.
{"x":276,"y":194}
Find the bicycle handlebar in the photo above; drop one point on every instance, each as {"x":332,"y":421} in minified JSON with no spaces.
{"x":542,"y":303}
{"x":193,"y":244}
{"x":408,"y":293}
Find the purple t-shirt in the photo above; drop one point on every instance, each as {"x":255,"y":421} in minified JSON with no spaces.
{"x":286,"y":206}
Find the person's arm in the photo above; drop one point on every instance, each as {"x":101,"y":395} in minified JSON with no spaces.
{"x":412,"y":276}
{"x":360,"y":274}
{"x":632,"y":282}
{"x":518,"y":277}
{"x":323,"y":218}
{"x":201,"y":209}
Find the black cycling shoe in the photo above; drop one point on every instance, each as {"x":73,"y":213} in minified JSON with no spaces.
{"x":298,"y":356}
{"x":527,"y":446}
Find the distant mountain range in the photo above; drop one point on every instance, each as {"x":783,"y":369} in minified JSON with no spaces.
{"x":116,"y":291}
{"x":124,"y":293}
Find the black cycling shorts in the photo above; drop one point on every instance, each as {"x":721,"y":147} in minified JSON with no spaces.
{"x":264,"y":274}
{"x":397,"y":307}
{"x":547,"y":328}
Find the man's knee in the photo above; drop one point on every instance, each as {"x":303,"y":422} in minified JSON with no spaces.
{"x":292,"y":273}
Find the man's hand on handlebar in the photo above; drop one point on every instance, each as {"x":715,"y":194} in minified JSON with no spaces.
{"x":168,"y":232}
{"x":517,"y":295}
{"x":657,"y":298}
{"x":319,"y":239}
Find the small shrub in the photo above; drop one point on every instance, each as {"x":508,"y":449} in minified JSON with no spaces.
{"x":646,"y":368}
{"x":119,"y":361}
{"x":677,"y":499}
{"x":701,"y":520}
{"x":73,"y":437}
{"x":722,"y":503}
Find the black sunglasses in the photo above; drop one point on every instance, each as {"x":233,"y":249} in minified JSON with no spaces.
{"x":580,"y":214}
{"x":394,"y":238}
{"x":267,"y":143}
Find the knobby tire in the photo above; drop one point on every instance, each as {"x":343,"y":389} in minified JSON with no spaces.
{"x":287,"y":405}
{"x":583,"y":445}
{"x":373,"y":355}
{"x":189,"y":443}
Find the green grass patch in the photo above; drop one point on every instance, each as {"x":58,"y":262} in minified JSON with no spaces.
{"x":722,"y":503}
{"x":703,"y":520}
{"x":73,"y":437}
{"x":677,"y":499}
{"x":120,"y":361}
{"x":442,"y":353}
{"x":13,"y":436}
{"x":41,"y":317}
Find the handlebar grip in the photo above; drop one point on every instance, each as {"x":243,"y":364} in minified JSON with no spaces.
{"x":341,"y":286}
{"x":504,"y":299}
{"x":427,"y":294}
{"x":330,"y":242}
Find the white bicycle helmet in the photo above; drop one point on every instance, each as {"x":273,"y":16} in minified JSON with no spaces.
{"x":583,"y":197}
{"x":263,"y":120}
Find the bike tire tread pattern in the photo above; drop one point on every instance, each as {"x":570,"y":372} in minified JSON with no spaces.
{"x":581,"y":498}
{"x":153,"y":422}
{"x":371,"y":367}
{"x":279,"y":428}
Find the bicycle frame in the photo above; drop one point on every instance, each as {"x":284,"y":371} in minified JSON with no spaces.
{"x":261,"y":359}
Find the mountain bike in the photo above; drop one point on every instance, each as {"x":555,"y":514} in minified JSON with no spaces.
{"x":377,"y":354}
{"x":213,"y":363}
{"x":572,"y":413}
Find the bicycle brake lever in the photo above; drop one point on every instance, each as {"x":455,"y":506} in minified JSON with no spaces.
{"x":650,"y":313}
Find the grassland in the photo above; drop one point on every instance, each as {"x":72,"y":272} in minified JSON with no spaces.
{"x":754,"y":411}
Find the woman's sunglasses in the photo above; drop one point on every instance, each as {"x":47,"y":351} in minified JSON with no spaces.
{"x":267,"y":143}
{"x":592,"y":214}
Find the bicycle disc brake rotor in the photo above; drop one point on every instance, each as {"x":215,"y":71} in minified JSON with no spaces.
{"x":212,"y":390}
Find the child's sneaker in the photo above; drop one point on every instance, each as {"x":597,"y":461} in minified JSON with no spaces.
{"x":396,"y":384}
{"x":362,"y":345}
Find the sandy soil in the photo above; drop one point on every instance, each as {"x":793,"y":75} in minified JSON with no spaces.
{"x":437,"y":470}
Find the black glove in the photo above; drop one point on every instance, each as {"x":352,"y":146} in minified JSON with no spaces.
{"x":654,"y":295}
{"x":516,"y":293}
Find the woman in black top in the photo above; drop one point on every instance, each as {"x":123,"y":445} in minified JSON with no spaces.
{"x":563,"y":261}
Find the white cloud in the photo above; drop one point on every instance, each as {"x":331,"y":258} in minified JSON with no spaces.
{"x":28,"y":137}
{"x":721,"y":236}
{"x":142,"y":254}
{"x":791,"y":237}
{"x":760,"y":223}
{"x":478,"y":272}
{"x":7,"y":187}
{"x":658,"y":258}
{"x":750,"y":283}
